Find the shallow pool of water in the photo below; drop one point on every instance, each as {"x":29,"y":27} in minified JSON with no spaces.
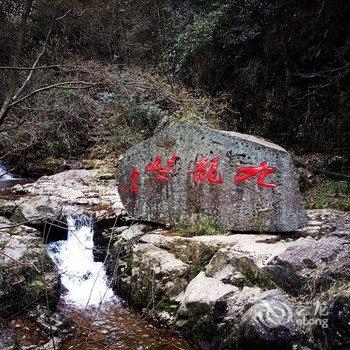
{"x":116,"y":327}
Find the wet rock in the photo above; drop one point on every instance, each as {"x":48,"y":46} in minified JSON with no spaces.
{"x":168,"y":193}
{"x":50,"y":322}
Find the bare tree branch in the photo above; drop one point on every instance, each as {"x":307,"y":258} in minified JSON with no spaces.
{"x":14,"y":76}
{"x":13,"y":97}
{"x":86,"y":85}
{"x":26,"y":82}
{"x":53,"y":66}
{"x":59,"y":18}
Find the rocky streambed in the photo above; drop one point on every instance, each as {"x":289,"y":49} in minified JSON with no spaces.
{"x":226,"y":291}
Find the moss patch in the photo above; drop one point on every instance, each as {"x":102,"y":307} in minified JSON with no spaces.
{"x":202,"y":227}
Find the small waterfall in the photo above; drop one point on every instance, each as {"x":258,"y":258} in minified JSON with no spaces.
{"x":5,"y":174}
{"x":84,"y":278}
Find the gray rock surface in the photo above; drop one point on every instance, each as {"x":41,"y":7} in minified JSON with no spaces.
{"x":50,"y":197}
{"x":174,"y":198}
{"x":26,"y":271}
{"x":202,"y":293}
{"x":245,"y":291}
{"x":309,"y":264}
{"x":270,"y":323}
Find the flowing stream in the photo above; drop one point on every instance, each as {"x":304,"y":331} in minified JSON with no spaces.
{"x":7,"y":180}
{"x":5,"y":174}
{"x":84,"y":278}
{"x":101,"y":319}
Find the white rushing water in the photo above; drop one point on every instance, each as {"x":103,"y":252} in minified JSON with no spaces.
{"x":5,"y":174}
{"x":84,"y":278}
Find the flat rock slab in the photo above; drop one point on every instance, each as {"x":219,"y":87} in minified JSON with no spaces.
{"x":188,"y":173}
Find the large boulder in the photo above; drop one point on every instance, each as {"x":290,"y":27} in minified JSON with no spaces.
{"x":188,"y":173}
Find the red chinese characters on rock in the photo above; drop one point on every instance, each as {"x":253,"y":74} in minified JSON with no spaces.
{"x":204,"y":170}
{"x":212,"y":175}
{"x":135,"y":178}
{"x":163,"y":172}
{"x":261,"y":171}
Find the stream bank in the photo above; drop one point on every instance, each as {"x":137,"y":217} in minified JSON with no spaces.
{"x":54,"y":291}
{"x":212,"y":289}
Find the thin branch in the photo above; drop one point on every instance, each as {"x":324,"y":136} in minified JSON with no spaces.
{"x":36,"y":62}
{"x":322,"y":171}
{"x":31,"y":68}
{"x":56,"y":86}
{"x":59,"y":18}
{"x":7,"y":172}
{"x":13,"y":127}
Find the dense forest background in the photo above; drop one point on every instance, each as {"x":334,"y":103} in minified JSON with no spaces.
{"x":276,"y":69}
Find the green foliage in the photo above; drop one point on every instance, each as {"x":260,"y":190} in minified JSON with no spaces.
{"x":200,"y":111}
{"x":329,"y":194}
{"x":205,"y":329}
{"x":202,"y":227}
{"x":284,"y":67}
{"x":198,"y":37}
{"x":37,"y":287}
{"x":168,"y":306}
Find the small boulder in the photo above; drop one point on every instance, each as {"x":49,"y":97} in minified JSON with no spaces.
{"x":131,"y":233}
{"x":156,"y":275}
{"x":201,"y":294}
